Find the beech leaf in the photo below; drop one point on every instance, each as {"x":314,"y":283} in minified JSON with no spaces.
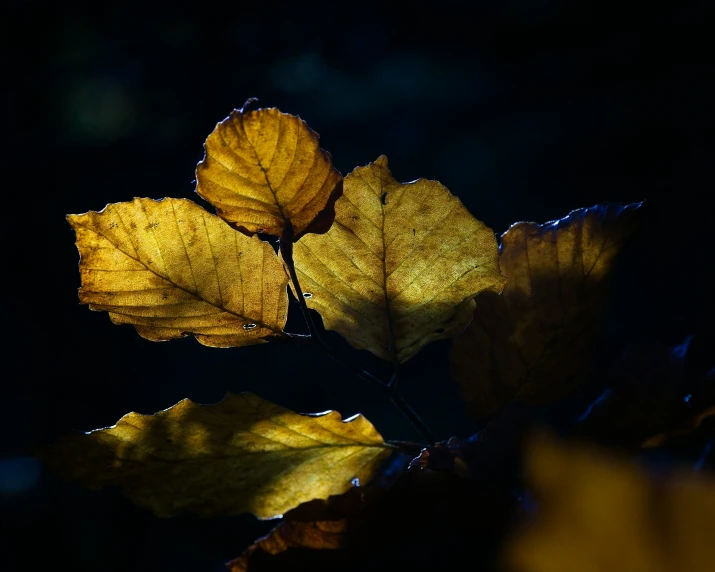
{"x":264,"y":171}
{"x":656,"y":395}
{"x":171,"y":269}
{"x":400,"y":266}
{"x":316,"y":535}
{"x":533,"y":343}
{"x":241,"y":455}
{"x":596,"y":512}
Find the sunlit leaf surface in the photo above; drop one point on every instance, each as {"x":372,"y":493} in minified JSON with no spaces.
{"x":171,"y":269}
{"x":264,"y":169}
{"x":241,"y":455}
{"x":400,"y":266}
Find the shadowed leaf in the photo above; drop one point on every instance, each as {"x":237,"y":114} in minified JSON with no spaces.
{"x":598,"y":513}
{"x":400,"y":266}
{"x":317,"y":535}
{"x":533,"y":343}
{"x":241,"y":455}
{"x":171,"y":269}
{"x":321,"y":524}
{"x":655,"y":395}
{"x":264,"y":171}
{"x":423,"y":520}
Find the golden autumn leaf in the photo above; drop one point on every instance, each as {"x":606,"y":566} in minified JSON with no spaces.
{"x":171,"y":269}
{"x":264,"y":171}
{"x":400,"y":266}
{"x":241,"y":455}
{"x":533,"y":342}
{"x":596,"y":513}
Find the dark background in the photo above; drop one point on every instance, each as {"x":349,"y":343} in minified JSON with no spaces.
{"x":525,"y":110}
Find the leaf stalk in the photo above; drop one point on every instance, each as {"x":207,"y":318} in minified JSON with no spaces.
{"x":390,"y":388}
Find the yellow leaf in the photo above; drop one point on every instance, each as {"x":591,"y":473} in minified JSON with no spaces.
{"x":171,"y":269}
{"x":264,"y":171}
{"x":533,"y":343}
{"x":241,"y":455}
{"x":400,"y":266}
{"x":599,"y":513}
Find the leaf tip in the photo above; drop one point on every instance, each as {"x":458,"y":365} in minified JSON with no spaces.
{"x":381,"y":161}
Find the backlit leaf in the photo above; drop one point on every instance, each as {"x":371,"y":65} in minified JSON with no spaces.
{"x":533,"y":343}
{"x":241,"y":455}
{"x":171,"y":269}
{"x":264,"y":170}
{"x":596,"y":513}
{"x":400,"y":266}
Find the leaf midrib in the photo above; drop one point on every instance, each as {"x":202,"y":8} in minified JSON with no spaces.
{"x":381,"y":446}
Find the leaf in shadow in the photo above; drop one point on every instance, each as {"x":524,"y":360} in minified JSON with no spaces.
{"x":533,"y":343}
{"x":419,"y":520}
{"x":655,"y":395}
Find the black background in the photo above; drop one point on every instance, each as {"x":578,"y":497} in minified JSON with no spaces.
{"x":525,"y":110}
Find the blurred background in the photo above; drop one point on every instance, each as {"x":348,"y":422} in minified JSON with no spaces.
{"x":526,"y":110}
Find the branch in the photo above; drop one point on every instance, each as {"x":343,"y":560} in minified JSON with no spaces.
{"x":286,"y":250}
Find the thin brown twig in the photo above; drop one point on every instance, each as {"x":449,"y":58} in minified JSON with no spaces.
{"x":286,"y":250}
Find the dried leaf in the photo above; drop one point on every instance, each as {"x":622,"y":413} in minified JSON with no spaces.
{"x":264,"y":171}
{"x":321,"y":524}
{"x":599,"y":513}
{"x":655,"y":395}
{"x":400,"y":266}
{"x":318,"y":535}
{"x":171,"y":269}
{"x":421,"y":521}
{"x":243,"y":454}
{"x":533,"y":343}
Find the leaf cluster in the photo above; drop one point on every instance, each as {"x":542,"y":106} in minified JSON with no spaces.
{"x":391,"y":267}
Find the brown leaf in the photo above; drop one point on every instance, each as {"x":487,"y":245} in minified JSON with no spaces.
{"x":656,"y":395}
{"x":318,"y":535}
{"x":241,"y":455}
{"x":600,"y":513}
{"x":424,"y":520}
{"x":264,"y":171}
{"x":171,"y":269}
{"x":533,"y":343}
{"x":321,"y":524}
{"x":400,"y":266}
